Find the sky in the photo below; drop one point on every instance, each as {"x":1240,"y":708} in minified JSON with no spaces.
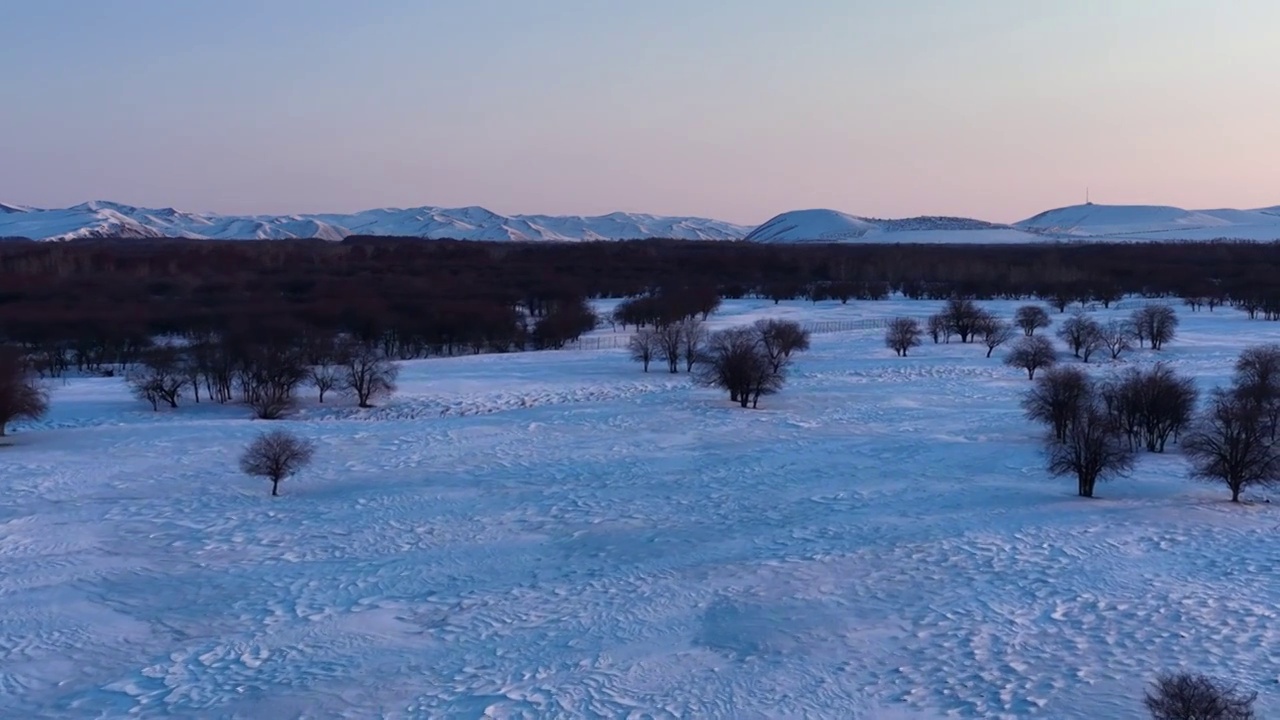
{"x":732,"y":109}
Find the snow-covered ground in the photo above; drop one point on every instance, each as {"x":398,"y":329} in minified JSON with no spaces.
{"x":575,"y":538}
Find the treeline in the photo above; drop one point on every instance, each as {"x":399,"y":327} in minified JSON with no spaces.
{"x":99,"y":302}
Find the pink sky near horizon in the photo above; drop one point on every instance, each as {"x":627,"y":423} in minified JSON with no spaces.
{"x":732,"y":109}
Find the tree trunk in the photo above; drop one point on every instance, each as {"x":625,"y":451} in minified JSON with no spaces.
{"x":1235,"y":492}
{"x":275,"y":488}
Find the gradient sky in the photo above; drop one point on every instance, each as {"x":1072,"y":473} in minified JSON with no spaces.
{"x":735,"y":109}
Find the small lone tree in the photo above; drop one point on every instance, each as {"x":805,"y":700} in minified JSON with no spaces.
{"x":276,"y":455}
{"x":643,"y":346}
{"x":994,"y":333}
{"x":903,"y":334}
{"x":670,"y":344}
{"x":692,"y":337}
{"x":367,"y":373}
{"x":326,"y":376}
{"x":1032,"y":354}
{"x":21,"y":395}
{"x":1231,"y":444}
{"x":1089,"y":450}
{"x":1030,"y":318}
{"x":1188,"y":696}
{"x":1116,"y":337}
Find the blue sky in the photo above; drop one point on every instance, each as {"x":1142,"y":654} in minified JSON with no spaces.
{"x":737,"y":109}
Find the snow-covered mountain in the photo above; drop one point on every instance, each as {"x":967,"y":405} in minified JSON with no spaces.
{"x":1075,"y":223}
{"x":107,"y":219}
{"x":832,"y":226}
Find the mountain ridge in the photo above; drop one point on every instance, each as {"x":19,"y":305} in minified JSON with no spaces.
{"x":103,"y":218}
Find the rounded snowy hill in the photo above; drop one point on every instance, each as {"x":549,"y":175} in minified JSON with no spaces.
{"x":826,"y":226}
{"x":1092,"y":220}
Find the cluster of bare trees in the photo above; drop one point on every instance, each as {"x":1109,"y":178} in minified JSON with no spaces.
{"x":1095,"y":428}
{"x":666,"y":306}
{"x":750,"y":361}
{"x":669,"y":342}
{"x":265,"y":375}
{"x":1154,"y":324}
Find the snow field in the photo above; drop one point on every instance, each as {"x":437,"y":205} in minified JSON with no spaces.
{"x":576,"y":538}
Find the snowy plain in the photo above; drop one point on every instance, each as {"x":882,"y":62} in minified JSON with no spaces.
{"x":559,"y":534}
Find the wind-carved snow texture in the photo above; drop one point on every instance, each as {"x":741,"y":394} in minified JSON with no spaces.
{"x":576,"y":538}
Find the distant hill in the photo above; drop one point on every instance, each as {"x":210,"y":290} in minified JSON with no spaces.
{"x":1155,"y":222}
{"x":832,"y":226}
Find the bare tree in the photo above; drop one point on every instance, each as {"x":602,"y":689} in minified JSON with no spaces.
{"x":1093,"y":339}
{"x":963,"y":317}
{"x":1089,"y":450}
{"x":994,"y":333}
{"x":644,"y":346}
{"x":693,"y":336}
{"x":1057,"y":397}
{"x":1077,"y":331}
{"x":939,"y":328}
{"x":161,"y":377}
{"x":22,"y":397}
{"x":781,"y":338}
{"x":276,"y":455}
{"x":1257,"y":380}
{"x":670,"y":344}
{"x":1032,"y":354}
{"x":1031,"y":318}
{"x":1187,"y":696}
{"x":903,"y":334}
{"x":1156,"y":324}
{"x":1116,"y":337}
{"x":367,"y":373}
{"x":326,"y":376}
{"x":1231,"y":444}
